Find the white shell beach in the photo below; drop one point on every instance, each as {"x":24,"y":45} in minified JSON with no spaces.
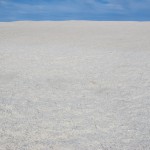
{"x":74,"y":85}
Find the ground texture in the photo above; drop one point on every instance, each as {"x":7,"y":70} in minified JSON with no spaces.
{"x":75,"y":85}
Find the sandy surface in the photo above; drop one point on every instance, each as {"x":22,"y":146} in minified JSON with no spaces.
{"x":75,"y":85}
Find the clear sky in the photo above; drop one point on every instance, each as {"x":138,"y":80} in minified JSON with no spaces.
{"x":136,"y":10}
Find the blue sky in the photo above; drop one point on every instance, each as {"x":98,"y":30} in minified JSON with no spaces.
{"x":13,"y":10}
